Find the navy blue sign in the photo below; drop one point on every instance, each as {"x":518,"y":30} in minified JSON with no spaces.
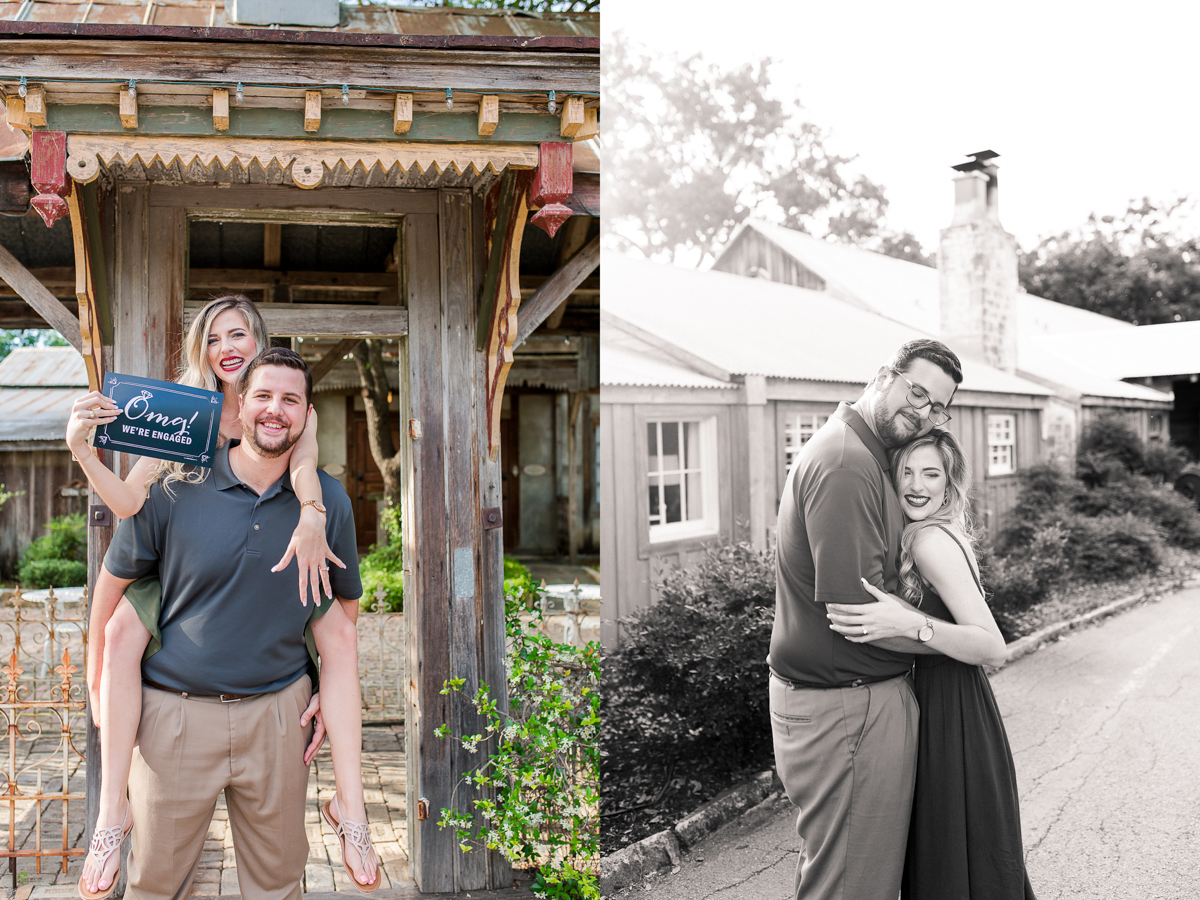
{"x":162,"y":419}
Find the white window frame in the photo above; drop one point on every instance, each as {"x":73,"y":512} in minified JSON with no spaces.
{"x":802,"y":426}
{"x":1001,"y":444}
{"x":709,"y":524}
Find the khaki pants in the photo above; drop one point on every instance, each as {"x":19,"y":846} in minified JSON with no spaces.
{"x":189,"y":750}
{"x":847,"y":757}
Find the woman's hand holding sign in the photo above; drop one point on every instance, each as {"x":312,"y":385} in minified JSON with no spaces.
{"x":88,"y":411}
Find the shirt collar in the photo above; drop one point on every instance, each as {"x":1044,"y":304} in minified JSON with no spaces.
{"x":850,"y":416}
{"x":224,"y":477}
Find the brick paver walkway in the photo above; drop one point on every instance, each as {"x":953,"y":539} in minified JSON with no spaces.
{"x":383,"y":784}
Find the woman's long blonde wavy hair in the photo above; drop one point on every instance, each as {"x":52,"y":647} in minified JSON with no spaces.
{"x":955,"y":510}
{"x":195,"y":371}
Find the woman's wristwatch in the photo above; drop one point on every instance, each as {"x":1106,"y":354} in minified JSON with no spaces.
{"x":925,"y":635}
{"x":315,"y":504}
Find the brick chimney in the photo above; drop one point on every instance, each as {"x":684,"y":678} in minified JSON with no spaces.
{"x":977,"y":269}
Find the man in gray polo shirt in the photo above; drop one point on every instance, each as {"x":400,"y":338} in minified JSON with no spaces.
{"x":843,"y":714}
{"x":223,"y":699}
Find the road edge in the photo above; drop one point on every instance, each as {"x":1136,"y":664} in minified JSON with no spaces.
{"x":663,"y":849}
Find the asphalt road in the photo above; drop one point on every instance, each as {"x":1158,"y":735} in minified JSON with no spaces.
{"x":1105,"y":730}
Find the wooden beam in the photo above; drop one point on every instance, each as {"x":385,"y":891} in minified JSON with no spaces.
{"x":312,"y":110}
{"x":555,"y":290}
{"x":324,"y":319}
{"x":35,"y":105}
{"x":591,"y":125}
{"x":128,"y":108}
{"x":260,"y":278}
{"x":85,"y":292}
{"x":220,"y":103}
{"x":402,"y":118}
{"x":15,"y":114}
{"x":572,"y":117}
{"x":489,"y":114}
{"x":272,"y":246}
{"x":326,"y":363}
{"x":19,"y":314}
{"x":36,"y":295}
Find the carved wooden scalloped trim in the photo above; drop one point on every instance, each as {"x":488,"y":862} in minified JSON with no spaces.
{"x":309,"y":159}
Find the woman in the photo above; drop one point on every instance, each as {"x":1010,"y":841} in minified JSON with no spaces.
{"x":964,"y":836}
{"x":222,"y":339}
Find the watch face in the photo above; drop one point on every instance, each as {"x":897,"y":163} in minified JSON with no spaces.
{"x":925,"y":633}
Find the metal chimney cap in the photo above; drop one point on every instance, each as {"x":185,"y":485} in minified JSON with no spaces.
{"x":979,"y":161}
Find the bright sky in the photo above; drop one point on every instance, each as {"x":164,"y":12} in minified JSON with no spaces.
{"x":1088,"y":104}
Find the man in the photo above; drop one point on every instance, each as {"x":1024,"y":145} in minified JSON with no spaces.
{"x":223,"y":700}
{"x":843,"y":714}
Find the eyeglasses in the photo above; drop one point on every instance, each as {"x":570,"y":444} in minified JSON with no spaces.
{"x":919,"y":399}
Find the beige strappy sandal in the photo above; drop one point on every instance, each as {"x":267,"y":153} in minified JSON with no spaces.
{"x":359,"y":835}
{"x":106,"y":842}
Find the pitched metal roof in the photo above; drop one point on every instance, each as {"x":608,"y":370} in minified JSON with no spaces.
{"x":751,"y":326}
{"x":35,"y":414}
{"x":1145,"y":351}
{"x":626,"y":360}
{"x":43,"y":367}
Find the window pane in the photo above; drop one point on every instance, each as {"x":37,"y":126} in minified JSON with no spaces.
{"x":655,"y":512}
{"x":670,"y":439}
{"x":691,"y":457}
{"x":695,"y":496}
{"x":672,"y":500}
{"x":652,"y":442}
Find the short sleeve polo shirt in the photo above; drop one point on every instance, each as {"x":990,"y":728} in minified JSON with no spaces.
{"x":229,"y":624}
{"x":839,"y":521}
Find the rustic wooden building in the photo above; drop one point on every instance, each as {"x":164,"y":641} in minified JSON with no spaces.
{"x":450,"y":134}
{"x":711,"y":383}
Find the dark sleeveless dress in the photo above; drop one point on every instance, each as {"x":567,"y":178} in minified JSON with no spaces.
{"x":964,"y":838}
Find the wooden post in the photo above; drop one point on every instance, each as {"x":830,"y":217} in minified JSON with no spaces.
{"x":312,"y":110}
{"x":403,"y":117}
{"x":220,"y":101}
{"x":573,"y":479}
{"x":489,"y":113}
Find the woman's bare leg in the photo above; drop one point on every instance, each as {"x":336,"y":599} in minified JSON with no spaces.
{"x":125,"y":640}
{"x":341,"y":710}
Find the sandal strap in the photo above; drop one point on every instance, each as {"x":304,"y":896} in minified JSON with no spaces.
{"x":105,"y":842}
{"x":359,"y":835}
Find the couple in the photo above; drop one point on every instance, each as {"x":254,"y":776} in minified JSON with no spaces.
{"x":212,"y":676}
{"x":857,"y":748}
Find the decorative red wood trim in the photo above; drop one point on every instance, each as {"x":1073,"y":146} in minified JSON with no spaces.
{"x":48,"y":172}
{"x":553,"y":184}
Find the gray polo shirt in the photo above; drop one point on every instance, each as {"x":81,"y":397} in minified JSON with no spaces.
{"x":839,"y":520}
{"x":229,"y":624}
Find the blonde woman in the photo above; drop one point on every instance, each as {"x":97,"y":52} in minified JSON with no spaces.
{"x":223,"y":338}
{"x":964,"y":836}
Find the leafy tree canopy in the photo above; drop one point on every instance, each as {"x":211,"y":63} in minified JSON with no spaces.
{"x":691,"y":150}
{"x":1142,"y":266}
{"x":28,"y":337}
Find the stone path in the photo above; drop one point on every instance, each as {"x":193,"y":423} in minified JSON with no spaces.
{"x":383,"y":784}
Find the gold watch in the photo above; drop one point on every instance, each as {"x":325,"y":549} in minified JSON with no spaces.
{"x":315,"y":504}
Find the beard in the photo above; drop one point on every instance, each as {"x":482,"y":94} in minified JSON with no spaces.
{"x":271,"y":447}
{"x":897,"y":429}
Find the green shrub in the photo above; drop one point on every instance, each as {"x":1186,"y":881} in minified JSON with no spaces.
{"x":1107,"y":548}
{"x":384,"y":567}
{"x":1015,"y":583}
{"x":519,"y":583}
{"x":689,"y":680}
{"x":1046,"y":493}
{"x":1165,"y":462}
{"x":1138,"y":495}
{"x":1110,"y":436}
{"x":57,"y":573}
{"x":58,"y":558}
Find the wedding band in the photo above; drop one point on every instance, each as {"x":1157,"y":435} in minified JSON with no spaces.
{"x":864,"y":628}
{"x":87,"y":414}
{"x":324,"y":568}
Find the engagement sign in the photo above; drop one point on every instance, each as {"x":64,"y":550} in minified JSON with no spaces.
{"x":162,"y":419}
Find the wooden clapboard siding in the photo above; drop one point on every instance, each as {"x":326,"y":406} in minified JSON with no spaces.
{"x":37,"y":475}
{"x":753,"y":255}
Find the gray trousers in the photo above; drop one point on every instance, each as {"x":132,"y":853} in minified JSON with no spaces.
{"x":848,"y":759}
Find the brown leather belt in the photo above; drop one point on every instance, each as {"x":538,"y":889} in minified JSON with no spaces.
{"x":224,"y":698}
{"x":858,"y":682}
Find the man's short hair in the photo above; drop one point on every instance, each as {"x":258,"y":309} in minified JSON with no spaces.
{"x":278,"y":356}
{"x":934,"y":351}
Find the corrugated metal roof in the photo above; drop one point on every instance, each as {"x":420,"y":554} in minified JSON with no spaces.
{"x":751,"y":326}
{"x":43,"y":367}
{"x":1048,"y":365}
{"x":625,"y":360}
{"x":35,"y":414}
{"x":371,"y":18}
{"x":1145,"y":351}
{"x":909,"y":292}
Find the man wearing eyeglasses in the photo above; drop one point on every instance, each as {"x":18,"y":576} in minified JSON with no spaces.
{"x":843,"y":714}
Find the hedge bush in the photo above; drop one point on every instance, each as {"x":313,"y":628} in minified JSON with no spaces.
{"x":689,"y":680}
{"x":58,"y":558}
{"x":384,"y":567}
{"x":1106,"y":548}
